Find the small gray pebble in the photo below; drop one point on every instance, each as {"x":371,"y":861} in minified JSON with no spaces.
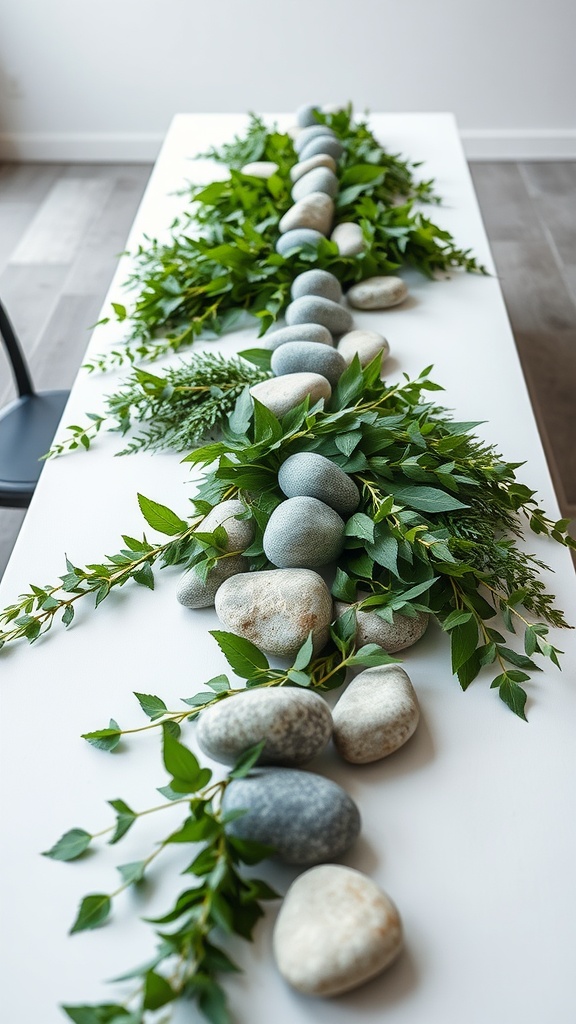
{"x":240,"y":532}
{"x":303,"y":533}
{"x":306,"y":115}
{"x":317,"y":282}
{"x":307,"y":473}
{"x":308,"y":356}
{"x":315,"y":211}
{"x":300,"y":332}
{"x":377,"y":293}
{"x":305,"y":817}
{"x":315,"y":309}
{"x":292,"y":241}
{"x":322,"y":144}
{"x":319,"y":180}
{"x":313,"y":131}
{"x":375,"y":715}
{"x":194,"y":592}
{"x":402,"y":632}
{"x":302,"y":167}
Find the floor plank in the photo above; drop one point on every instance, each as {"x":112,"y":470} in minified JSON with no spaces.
{"x":505,"y":203}
{"x":536,"y":296}
{"x":56,"y":233}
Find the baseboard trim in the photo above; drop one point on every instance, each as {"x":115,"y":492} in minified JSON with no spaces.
{"x":519,"y":143}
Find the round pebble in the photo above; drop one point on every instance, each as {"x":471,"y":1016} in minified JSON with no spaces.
{"x":377,"y":293}
{"x":305,"y":817}
{"x":300,"y":332}
{"x":336,"y":929}
{"x":306,"y":115}
{"x":319,"y":180}
{"x":280,"y":394}
{"x":302,"y":167}
{"x":303,"y":532}
{"x":322,"y":144}
{"x":313,"y":131}
{"x":307,"y":473}
{"x":365,"y":344}
{"x":308,"y":356}
{"x":293,"y":241}
{"x":393,"y":636}
{"x":375,"y":715}
{"x":296,"y":724}
{"x":315,"y":211}
{"x":349,"y":238}
{"x":276,"y":609}
{"x":260,"y":169}
{"x":315,"y":309}
{"x":240,"y":532}
{"x":317,"y":282}
{"x":194,"y":592}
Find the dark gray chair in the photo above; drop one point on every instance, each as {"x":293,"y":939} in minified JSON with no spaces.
{"x":27,"y":426}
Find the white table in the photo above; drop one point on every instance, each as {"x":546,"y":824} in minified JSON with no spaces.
{"x":469,"y":827}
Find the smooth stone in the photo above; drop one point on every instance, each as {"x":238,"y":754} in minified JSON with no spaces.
{"x":260,"y":169}
{"x":375,"y":715}
{"x":317,"y":282}
{"x":194,"y":592}
{"x":364,"y":344}
{"x":303,"y":532}
{"x":322,"y":144}
{"x":296,"y":724}
{"x":276,"y":609}
{"x":307,"y":473}
{"x":313,"y":131}
{"x":314,"y":211}
{"x":349,"y":238}
{"x":240,"y":532}
{"x":300,"y":332}
{"x":308,"y":356}
{"x":294,"y":240}
{"x":280,"y":394}
{"x":306,"y":115}
{"x":305,"y":817}
{"x":393,"y":636}
{"x":377,"y":293}
{"x":336,"y":929}
{"x":316,"y":309}
{"x":318,"y":180}
{"x":320,"y":160}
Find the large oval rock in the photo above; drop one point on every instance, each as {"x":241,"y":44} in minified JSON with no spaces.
{"x":322,"y":144}
{"x":308,"y":356}
{"x":364,"y":344}
{"x":300,"y":332}
{"x":349,"y":238}
{"x":306,"y":115}
{"x":307,"y":473}
{"x":296,"y":724}
{"x":377,"y":293}
{"x":336,"y":929}
{"x":299,"y":238}
{"x":393,"y":636}
{"x":316,"y":282}
{"x":315,"y":211}
{"x":195,"y":592}
{"x":315,"y":309}
{"x":320,"y":160}
{"x":305,"y":817}
{"x":280,"y":394}
{"x":260,"y":169}
{"x":375,"y":715}
{"x":319,"y":180}
{"x":303,"y":533}
{"x":276,"y":609}
{"x":313,"y":131}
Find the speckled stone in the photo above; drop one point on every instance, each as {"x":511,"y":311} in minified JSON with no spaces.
{"x":308,"y":356}
{"x":240,"y":532}
{"x":319,"y":180}
{"x":295,"y":723}
{"x":320,"y":160}
{"x":293,"y":241}
{"x":336,"y":929}
{"x":365,"y":344}
{"x":307,"y":473}
{"x":393,"y":636}
{"x":276,"y":609}
{"x":260,"y":169}
{"x":315,"y":309}
{"x":322,"y":144}
{"x":194,"y":592}
{"x":300,"y":332}
{"x":303,"y":533}
{"x":314,"y":211}
{"x":316,"y":282}
{"x":280,"y":394}
{"x":306,"y":115}
{"x":375,"y":715}
{"x":349,"y":238}
{"x":312,"y":131}
{"x":377,"y":293}
{"x":305,"y":817}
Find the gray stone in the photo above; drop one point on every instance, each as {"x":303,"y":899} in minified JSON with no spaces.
{"x":276,"y":609}
{"x":306,"y":115}
{"x":349,"y":238}
{"x":240,"y":532}
{"x":336,"y":929}
{"x":305,"y":817}
{"x":314,"y":211}
{"x":322,"y":144}
{"x":300,"y":332}
{"x":293,"y":241}
{"x":194,"y":592}
{"x":280,"y":394}
{"x":303,"y":533}
{"x":375,"y":715}
{"x":299,"y":356}
{"x":319,"y":180}
{"x":393,"y":636}
{"x":365,"y":344}
{"x":320,"y":160}
{"x":296,"y":724}
{"x":260,"y":169}
{"x":315,"y":309}
{"x":377,"y":293}
{"x":317,"y":282}
{"x":307,"y":473}
{"x":313,"y":131}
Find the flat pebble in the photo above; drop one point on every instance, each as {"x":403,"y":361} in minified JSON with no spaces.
{"x":313,"y":131}
{"x":317,"y":282}
{"x":319,"y":180}
{"x":316,"y":476}
{"x":296,"y":724}
{"x":393,"y":636}
{"x":293,"y":241}
{"x":306,"y":115}
{"x":377,"y":293}
{"x":376,"y":714}
{"x":365,"y":344}
{"x":260,"y":169}
{"x":308,"y":356}
{"x":349,"y":238}
{"x":300,"y":332}
{"x":336,"y":929}
{"x":276,"y":609}
{"x":302,"y":167}
{"x":315,"y":309}
{"x":194,"y":592}
{"x":314,"y":211}
{"x":303,"y":532}
{"x":280,"y":394}
{"x":305,"y":817}
{"x":322,"y":144}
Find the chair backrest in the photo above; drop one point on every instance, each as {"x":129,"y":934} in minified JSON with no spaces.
{"x":16,"y":355}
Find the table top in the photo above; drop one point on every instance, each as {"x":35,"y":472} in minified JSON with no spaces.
{"x":469,"y":827}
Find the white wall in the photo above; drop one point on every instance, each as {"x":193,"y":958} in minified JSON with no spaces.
{"x":102,"y":80}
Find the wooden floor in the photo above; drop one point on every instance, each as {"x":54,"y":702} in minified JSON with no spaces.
{"x":62,"y":227}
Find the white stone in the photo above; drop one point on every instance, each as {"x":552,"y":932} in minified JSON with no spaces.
{"x":375,"y":715}
{"x":377,"y":293}
{"x":321,"y":179}
{"x":299,"y":332}
{"x":365,"y":344}
{"x":349,"y":238}
{"x":193,"y":591}
{"x":260,"y":169}
{"x":336,"y":929}
{"x":393,"y":636}
{"x":240,"y":532}
{"x":315,"y":211}
{"x":280,"y":394}
{"x":320,"y":160}
{"x":306,"y":115}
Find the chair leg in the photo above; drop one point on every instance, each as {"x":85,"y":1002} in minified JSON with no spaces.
{"x":19,"y":367}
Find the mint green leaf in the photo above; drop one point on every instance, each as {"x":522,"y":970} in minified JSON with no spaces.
{"x":124,"y":821}
{"x":93,"y":911}
{"x":179,"y":760}
{"x":247,"y":760}
{"x":371,"y":655}
{"x":360,"y":525}
{"x":425,"y":499}
{"x":70,"y":846}
{"x":161,"y":518}
{"x":151,"y":705}
{"x":300,"y":678}
{"x":302,"y":659}
{"x":243,"y":656}
{"x":220,"y":684}
{"x":132,"y":873}
{"x":105,"y":739}
{"x":343,"y":587}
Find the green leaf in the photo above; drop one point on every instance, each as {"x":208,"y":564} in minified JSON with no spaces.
{"x":243,"y":656}
{"x":372,"y":655}
{"x":70,"y":846}
{"x":161,"y":518}
{"x":300,"y":678}
{"x":152,"y":706}
{"x":68,"y":615}
{"x":456,"y":618}
{"x":426,"y":499}
{"x":247,"y":760}
{"x":188,"y":777}
{"x":132,"y":873}
{"x":212,"y":1002}
{"x":104,"y":1013}
{"x":344,"y":587}
{"x":520,"y":660}
{"x":124,"y":821}
{"x":258,"y":356}
{"x":220,"y":684}
{"x":145,"y":576}
{"x":251,"y":852}
{"x":94,"y":910}
{"x":302,"y":659}
{"x":514,"y":696}
{"x":157,"y":991}
{"x":360,"y":525}
{"x":105,"y":739}
{"x":464,"y":639}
